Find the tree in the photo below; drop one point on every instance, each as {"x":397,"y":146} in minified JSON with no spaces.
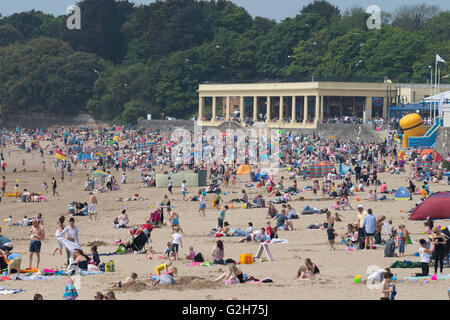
{"x":439,"y":27}
{"x":45,"y":75}
{"x":414,"y":17}
{"x":9,"y":34}
{"x":322,"y":8}
{"x":101,"y":23}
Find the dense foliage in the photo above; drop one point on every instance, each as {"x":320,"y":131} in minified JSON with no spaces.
{"x":127,"y":60}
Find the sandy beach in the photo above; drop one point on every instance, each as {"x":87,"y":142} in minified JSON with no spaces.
{"x":337,"y":267}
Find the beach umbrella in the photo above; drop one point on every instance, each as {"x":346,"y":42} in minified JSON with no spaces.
{"x":99,"y":173}
{"x":70,"y":292}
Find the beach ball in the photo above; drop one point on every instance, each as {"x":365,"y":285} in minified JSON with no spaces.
{"x":434,"y":277}
{"x":357,"y":199}
{"x":356,"y":279}
{"x":426,"y":281}
{"x":17,"y":180}
{"x":224,"y":193}
{"x":232,"y":206}
{"x":243,"y":206}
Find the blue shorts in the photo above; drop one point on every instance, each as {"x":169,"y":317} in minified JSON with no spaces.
{"x":35,"y":246}
{"x":202,"y":206}
{"x":175,"y":247}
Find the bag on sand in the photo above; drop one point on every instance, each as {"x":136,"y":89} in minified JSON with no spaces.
{"x":109,"y":266}
{"x":199,"y":257}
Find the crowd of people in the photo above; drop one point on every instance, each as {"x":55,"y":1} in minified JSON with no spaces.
{"x":357,"y":167}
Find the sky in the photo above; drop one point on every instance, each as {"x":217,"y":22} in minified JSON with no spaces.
{"x":273,"y":9}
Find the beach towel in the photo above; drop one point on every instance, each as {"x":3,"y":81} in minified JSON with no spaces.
{"x":69,"y":245}
{"x":194,"y":264}
{"x":276,"y":240}
{"x":35,"y":277}
{"x":400,"y":264}
{"x":439,"y":277}
{"x":10,"y":291}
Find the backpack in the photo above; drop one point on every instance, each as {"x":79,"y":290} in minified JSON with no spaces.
{"x":199,"y":257}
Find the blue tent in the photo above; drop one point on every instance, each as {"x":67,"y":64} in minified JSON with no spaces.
{"x":402,"y":194}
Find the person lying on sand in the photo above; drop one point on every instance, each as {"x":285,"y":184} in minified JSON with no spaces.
{"x":125,"y":283}
{"x":234,"y":276}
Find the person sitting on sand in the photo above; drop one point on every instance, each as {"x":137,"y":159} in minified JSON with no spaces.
{"x":271,"y":212}
{"x":121,"y":221}
{"x":234,"y":276}
{"x":226,"y":229}
{"x":95,"y":260}
{"x":218,"y":253}
{"x":312,"y":268}
{"x":168,"y":251}
{"x":80,"y":259}
{"x":125,"y":283}
{"x":302,"y":273}
{"x":191,"y":254}
{"x":247,"y":236}
{"x":151,"y":254}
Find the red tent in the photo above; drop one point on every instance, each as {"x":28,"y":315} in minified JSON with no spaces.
{"x":436,"y":206}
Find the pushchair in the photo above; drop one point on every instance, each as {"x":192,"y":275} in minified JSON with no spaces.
{"x":138,"y":243}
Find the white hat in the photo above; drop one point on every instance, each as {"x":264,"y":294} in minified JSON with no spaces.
{"x":360,"y":206}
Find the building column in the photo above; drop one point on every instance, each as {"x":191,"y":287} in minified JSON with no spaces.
{"x":200,"y":108}
{"x":368,"y":108}
{"x":255,"y":109}
{"x":227,"y":116}
{"x":241,"y":109}
{"x":305,"y":109}
{"x":268,"y":110}
{"x":213,"y":117}
{"x":281,"y":111}
{"x":354,"y":106}
{"x":316,"y":111}
{"x":293,"y":110}
{"x":321,"y":109}
{"x":385,"y":108}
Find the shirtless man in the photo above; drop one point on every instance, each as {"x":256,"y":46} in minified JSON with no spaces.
{"x":92,"y":206}
{"x":36,"y":234}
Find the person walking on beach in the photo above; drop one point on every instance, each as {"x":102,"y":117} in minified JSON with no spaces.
{"x":3,"y":185}
{"x":92,"y":206}
{"x":71,"y":235}
{"x":54,"y":185}
{"x":36,"y":235}
{"x":330,"y":230}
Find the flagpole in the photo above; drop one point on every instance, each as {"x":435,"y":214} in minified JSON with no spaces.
{"x":431,"y":92}
{"x":435,"y":86}
{"x":439,"y":88}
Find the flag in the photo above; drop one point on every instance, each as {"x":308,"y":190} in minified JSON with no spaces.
{"x":60,"y":155}
{"x":439,"y":59}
